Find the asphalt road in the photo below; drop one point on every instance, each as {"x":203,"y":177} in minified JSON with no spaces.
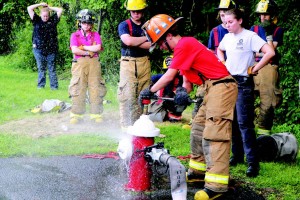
{"x":75,"y":178}
{"x":78,"y":178}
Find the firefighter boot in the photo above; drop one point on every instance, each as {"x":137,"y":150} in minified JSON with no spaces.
{"x":75,"y":118}
{"x":253,"y":170}
{"x":97,"y":118}
{"x":206,"y":194}
{"x":235,"y":161}
{"x":192,"y":176}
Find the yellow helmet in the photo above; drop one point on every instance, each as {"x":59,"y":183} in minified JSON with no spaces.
{"x":135,"y":4}
{"x":266,"y":7}
{"x":167,"y":62}
{"x":226,"y":5}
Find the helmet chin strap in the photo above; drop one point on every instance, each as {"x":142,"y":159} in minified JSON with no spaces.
{"x":168,"y":46}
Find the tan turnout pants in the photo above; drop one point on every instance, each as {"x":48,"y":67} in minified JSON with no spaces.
{"x":86,"y":76}
{"x":134,"y":77}
{"x":267,"y":88}
{"x":211,"y":134}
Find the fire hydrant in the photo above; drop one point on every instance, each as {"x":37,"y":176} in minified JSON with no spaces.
{"x":143,"y":132}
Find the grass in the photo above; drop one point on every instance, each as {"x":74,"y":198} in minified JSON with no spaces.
{"x":79,"y":144}
{"x":18,"y":94}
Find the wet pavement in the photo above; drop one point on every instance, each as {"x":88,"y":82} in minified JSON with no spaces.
{"x":78,"y":178}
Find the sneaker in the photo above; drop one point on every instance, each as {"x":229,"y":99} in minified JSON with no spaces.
{"x":54,"y":88}
{"x":207,"y":194}
{"x":192,"y":177}
{"x":40,"y":87}
{"x":174,"y":118}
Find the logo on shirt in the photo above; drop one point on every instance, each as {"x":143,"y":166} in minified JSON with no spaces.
{"x":240,"y":44}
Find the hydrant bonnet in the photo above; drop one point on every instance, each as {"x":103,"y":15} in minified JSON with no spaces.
{"x":143,"y":127}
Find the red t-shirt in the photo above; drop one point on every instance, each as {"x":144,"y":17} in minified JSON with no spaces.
{"x":193,"y":59}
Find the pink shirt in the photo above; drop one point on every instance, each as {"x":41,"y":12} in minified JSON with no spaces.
{"x":78,"y":39}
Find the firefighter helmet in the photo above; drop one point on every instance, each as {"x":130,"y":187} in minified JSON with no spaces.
{"x":157,"y":26}
{"x":86,"y":16}
{"x":267,"y":7}
{"x":226,"y":5}
{"x":167,"y":62}
{"x":135,"y":4}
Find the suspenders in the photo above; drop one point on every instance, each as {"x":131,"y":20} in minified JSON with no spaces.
{"x":129,"y":26}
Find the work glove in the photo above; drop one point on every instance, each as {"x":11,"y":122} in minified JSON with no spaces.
{"x":181,"y":97}
{"x":81,"y":47}
{"x":91,"y":54}
{"x":145,"y":96}
{"x":250,"y":71}
{"x":268,"y":29}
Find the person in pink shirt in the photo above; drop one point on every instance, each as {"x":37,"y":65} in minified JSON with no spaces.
{"x":86,"y":70}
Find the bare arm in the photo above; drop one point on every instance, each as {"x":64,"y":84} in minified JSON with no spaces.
{"x":221,"y":55}
{"x":57,"y":10}
{"x":30,"y":9}
{"x":164,"y":80}
{"x":92,"y":48}
{"x":134,"y":41}
{"x":77,"y":51}
{"x":272,"y":44}
{"x":145,"y":45}
{"x":268,"y":54}
{"x":187,"y":85}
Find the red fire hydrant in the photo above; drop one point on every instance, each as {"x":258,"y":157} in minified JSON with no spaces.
{"x":140,"y":173}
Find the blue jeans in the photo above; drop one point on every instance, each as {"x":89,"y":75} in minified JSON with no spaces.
{"x":243,"y":133}
{"x":43,"y":61}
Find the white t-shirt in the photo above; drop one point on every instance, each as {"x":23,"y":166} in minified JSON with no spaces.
{"x":240,"y":49}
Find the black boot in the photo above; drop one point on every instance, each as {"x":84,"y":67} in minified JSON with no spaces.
{"x":253,"y":170}
{"x":234,"y":161}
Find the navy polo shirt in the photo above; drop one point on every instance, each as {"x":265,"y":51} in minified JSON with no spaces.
{"x":44,"y":35}
{"x":137,"y":31}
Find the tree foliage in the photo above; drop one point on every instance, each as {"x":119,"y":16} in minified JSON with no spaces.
{"x":199,"y":19}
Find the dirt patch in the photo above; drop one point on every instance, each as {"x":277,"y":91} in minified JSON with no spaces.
{"x":51,"y":124}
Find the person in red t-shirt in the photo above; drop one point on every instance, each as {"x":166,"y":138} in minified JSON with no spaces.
{"x":211,"y":127}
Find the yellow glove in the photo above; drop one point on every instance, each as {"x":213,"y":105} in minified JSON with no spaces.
{"x":91,"y":54}
{"x":250,"y":71}
{"x":81,"y":47}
